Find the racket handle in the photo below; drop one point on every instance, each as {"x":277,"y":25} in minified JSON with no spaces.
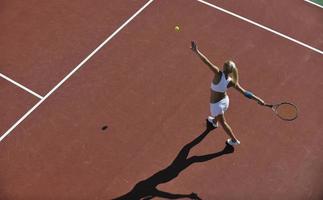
{"x":269,"y":105}
{"x":193,"y":45}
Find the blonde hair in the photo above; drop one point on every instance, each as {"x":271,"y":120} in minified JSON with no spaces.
{"x":234,"y":71}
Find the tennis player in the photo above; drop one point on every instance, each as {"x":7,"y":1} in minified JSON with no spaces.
{"x":219,"y":101}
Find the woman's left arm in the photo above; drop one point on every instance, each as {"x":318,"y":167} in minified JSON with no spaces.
{"x":249,"y":94}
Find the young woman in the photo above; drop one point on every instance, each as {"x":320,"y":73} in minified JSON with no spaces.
{"x":219,"y":101}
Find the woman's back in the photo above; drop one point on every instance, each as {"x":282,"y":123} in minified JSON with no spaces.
{"x":219,"y":84}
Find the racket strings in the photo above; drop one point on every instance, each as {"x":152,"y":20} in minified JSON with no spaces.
{"x":286,"y":111}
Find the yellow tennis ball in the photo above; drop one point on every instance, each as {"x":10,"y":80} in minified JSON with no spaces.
{"x":177,"y":28}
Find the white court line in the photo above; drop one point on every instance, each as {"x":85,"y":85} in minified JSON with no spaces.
{"x":262,"y":26}
{"x":308,"y":1}
{"x":20,"y":86}
{"x":73,"y":71}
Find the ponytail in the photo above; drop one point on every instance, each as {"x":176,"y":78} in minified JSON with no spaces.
{"x":235,"y":75}
{"x":234,"y":71}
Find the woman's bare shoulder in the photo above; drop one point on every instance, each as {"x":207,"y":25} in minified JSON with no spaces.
{"x":217,"y":77}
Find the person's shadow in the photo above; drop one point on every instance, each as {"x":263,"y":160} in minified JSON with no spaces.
{"x":147,"y":189}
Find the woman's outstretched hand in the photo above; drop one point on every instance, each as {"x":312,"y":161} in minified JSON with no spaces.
{"x":194,"y":46}
{"x":268,"y":105}
{"x":194,"y":196}
{"x":261,"y":102}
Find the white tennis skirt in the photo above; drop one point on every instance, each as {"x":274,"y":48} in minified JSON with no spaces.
{"x":220,"y":107}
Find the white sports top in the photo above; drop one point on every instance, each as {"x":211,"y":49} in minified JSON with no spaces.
{"x":222,"y":85}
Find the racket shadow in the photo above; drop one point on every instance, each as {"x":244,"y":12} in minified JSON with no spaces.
{"x":147,"y":189}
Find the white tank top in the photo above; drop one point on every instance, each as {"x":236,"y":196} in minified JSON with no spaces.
{"x":222,"y":85}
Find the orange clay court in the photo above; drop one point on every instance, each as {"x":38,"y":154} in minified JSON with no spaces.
{"x":105,"y":100}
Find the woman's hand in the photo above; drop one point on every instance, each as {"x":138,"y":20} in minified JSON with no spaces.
{"x":261,"y":102}
{"x":194,"y":196}
{"x":194,"y":47}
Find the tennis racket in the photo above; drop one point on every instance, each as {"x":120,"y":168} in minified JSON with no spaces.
{"x":285,"y":111}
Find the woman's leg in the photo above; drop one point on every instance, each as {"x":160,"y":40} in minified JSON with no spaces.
{"x":213,"y":121}
{"x":226,"y":127}
{"x":214,"y":110}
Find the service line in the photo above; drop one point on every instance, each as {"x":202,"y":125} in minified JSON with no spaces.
{"x":20,"y":86}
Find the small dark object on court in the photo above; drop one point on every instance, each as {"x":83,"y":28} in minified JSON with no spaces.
{"x":104,"y":127}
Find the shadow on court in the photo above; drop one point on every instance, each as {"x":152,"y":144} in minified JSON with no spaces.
{"x":147,"y":189}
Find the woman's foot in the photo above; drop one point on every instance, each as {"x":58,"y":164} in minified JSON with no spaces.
{"x":211,"y":120}
{"x":233,"y":142}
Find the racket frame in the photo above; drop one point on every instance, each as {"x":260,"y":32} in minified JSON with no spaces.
{"x":275,"y":106}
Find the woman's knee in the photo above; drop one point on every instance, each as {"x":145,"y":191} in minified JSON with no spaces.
{"x":221,"y":119}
